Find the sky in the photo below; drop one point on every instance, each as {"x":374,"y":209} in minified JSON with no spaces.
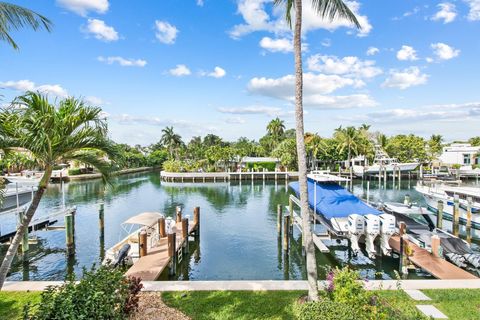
{"x":226,"y":66}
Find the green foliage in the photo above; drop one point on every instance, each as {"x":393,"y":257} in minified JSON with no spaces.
{"x":475,"y":141}
{"x":157,"y":158}
{"x":286,"y":151}
{"x":74,"y":172}
{"x":12,"y":303}
{"x":259,"y":166}
{"x":407,"y":148}
{"x":326,"y":309}
{"x":102,"y":293}
{"x":456,"y":166}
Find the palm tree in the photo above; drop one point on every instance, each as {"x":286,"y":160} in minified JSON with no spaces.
{"x":71,"y":131}
{"x":348,"y":140}
{"x":330,"y":9}
{"x":14,"y":17}
{"x":276,"y":128}
{"x":171,"y":141}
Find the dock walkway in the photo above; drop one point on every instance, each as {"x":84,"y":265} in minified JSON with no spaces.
{"x":436,"y":266}
{"x":149,"y":267}
{"x":317,"y":240}
{"x":226,"y":176}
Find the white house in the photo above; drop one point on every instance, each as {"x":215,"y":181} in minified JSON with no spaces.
{"x":460,"y":153}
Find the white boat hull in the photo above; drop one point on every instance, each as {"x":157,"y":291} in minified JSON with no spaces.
{"x":432,"y":203}
{"x":10,"y":199}
{"x":389,"y":168}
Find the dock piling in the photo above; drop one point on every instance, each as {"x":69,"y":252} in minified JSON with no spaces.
{"x":178,"y":210}
{"x":435,"y":245}
{"x":142,"y":241}
{"x":101,"y":227}
{"x":468,"y":227}
{"x":25,"y":245}
{"x":403,"y":248}
{"x":161,"y":228}
{"x":279,"y":219}
{"x":440,"y":214}
{"x":286,"y":232}
{"x":456,"y":215}
{"x":196,"y":221}
{"x":69,"y":233}
{"x":171,"y":252}
{"x":185,"y":235}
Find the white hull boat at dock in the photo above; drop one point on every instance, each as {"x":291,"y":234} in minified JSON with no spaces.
{"x":15,"y":197}
{"x":433,"y":194}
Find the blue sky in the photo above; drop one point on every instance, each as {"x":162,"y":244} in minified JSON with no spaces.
{"x":226,"y":67}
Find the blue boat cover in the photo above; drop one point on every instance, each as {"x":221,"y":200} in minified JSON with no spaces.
{"x":334,"y":201}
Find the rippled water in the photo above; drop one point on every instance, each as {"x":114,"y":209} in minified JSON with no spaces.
{"x":238,"y":237}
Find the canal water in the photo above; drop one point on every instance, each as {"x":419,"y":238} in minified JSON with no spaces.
{"x":238,"y":237}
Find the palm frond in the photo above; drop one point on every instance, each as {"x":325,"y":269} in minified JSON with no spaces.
{"x":99,"y":163}
{"x":334,"y":9}
{"x":289,"y":5}
{"x":14,"y":17}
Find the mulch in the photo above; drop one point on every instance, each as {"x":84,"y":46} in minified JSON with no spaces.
{"x":152,"y":307}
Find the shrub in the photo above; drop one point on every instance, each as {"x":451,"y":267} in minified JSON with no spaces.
{"x":456,"y":166}
{"x":103,"y":293}
{"x":326,"y":309}
{"x":74,"y":172}
{"x":259,"y":166}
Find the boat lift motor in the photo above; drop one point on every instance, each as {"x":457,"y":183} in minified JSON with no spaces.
{"x":122,"y":255}
{"x":372,"y":230}
{"x":356,"y":228}
{"x":387,"y":230}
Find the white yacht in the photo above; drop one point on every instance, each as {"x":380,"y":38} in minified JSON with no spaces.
{"x":15,"y":196}
{"x":383,"y":162}
{"x":128,"y":249}
{"x":433,"y":193}
{"x":467,"y":171}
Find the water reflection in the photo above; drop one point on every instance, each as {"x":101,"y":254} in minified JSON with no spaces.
{"x":238,"y":236}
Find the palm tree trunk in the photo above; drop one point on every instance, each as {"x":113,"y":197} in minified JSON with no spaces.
{"x":13,"y":248}
{"x":302,"y":157}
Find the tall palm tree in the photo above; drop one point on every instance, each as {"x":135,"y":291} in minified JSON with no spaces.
{"x":348,"y":140}
{"x":276,"y":128}
{"x":326,"y":9}
{"x":14,"y":17}
{"x":71,"y":131}
{"x":171,"y":141}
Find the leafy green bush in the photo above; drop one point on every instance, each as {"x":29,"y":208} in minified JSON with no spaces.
{"x":346,"y":299}
{"x":259,"y":166}
{"x":456,"y":166}
{"x":74,"y":172}
{"x":102,"y":293}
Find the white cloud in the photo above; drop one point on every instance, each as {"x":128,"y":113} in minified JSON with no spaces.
{"x":96,"y":101}
{"x":371,"y":51}
{"x":100,"y":30}
{"x":406,"y":78}
{"x":474,"y":13}
{"x":256,"y":18}
{"x":339,"y":102}
{"x":277,"y":45}
{"x":217,"y":73}
{"x":200,"y":3}
{"x":348,"y":66}
{"x":235,"y":120}
{"x":27,"y":85}
{"x":123,"y":62}
{"x":82,"y":7}
{"x":407,"y":53}
{"x":444,"y":51}
{"x":269,"y":111}
{"x":180,"y":70}
{"x":447,"y":13}
{"x":165,"y":32}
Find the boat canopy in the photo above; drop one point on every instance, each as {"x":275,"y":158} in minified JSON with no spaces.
{"x":334,"y":201}
{"x":145,"y":218}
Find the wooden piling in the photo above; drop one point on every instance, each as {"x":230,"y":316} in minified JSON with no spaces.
{"x":196,"y":220}
{"x":456,"y":215}
{"x":69,"y":233}
{"x":179,"y":214}
{"x":279,"y":219}
{"x":435,"y":245}
{"x":142,"y":241}
{"x":440,"y":214}
{"x":161,"y":227}
{"x":402,"y":228}
{"x":101,"y":218}
{"x":468,"y":228}
{"x":286,"y":231}
{"x":172,"y":252}
{"x":185,"y":235}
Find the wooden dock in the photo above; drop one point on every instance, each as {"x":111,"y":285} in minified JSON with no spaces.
{"x":317,"y":240}
{"x":227,"y":176}
{"x":149,"y":267}
{"x":436,"y":266}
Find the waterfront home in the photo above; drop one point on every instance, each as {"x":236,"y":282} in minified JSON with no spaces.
{"x":463,"y":154}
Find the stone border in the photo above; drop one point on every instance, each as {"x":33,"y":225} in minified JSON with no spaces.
{"x":262,"y":285}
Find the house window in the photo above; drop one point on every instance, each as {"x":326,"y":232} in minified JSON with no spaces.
{"x":466,"y":158}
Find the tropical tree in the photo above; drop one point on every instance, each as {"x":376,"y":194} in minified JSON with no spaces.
{"x":329,"y":9}
{"x":435,"y":145}
{"x":71,"y":131}
{"x":14,"y":17}
{"x":276,"y":128}
{"x":171,"y":141}
{"x":475,"y":141}
{"x":286,"y":153}
{"x":407,"y":148}
{"x":348,"y":141}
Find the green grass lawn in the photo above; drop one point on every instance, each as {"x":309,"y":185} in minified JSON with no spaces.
{"x":11,"y":303}
{"x":241,"y":305}
{"x":462,"y":304}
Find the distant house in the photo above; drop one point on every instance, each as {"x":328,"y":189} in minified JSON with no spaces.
{"x":460,"y":153}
